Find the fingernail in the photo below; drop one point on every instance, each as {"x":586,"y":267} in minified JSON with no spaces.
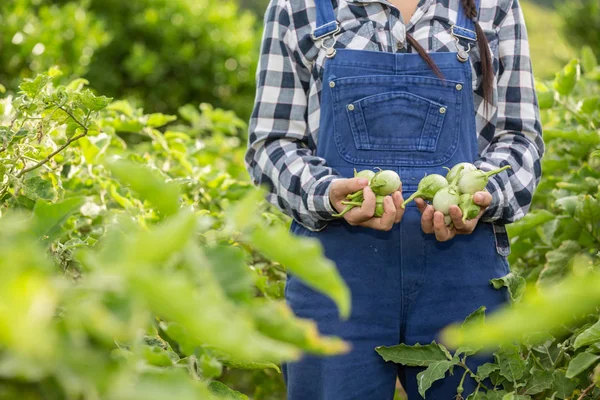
{"x":477,"y":197}
{"x":363,"y":181}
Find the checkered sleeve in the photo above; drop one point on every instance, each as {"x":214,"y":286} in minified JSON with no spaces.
{"x":518,"y":137}
{"x":280,"y":154}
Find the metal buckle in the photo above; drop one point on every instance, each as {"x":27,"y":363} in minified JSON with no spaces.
{"x":335,"y":32}
{"x":457,"y":35}
{"x":462,"y":55}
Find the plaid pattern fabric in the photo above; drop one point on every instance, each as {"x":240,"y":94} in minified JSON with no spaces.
{"x":284,"y":126}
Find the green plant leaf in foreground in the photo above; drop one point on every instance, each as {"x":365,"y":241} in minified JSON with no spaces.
{"x":50,"y":216}
{"x":434,"y":372}
{"x":545,"y":309}
{"x":414,"y":356}
{"x":276,"y":320}
{"x":580,"y":363}
{"x":148,"y":184}
{"x":304,"y":258}
{"x":514,"y":283}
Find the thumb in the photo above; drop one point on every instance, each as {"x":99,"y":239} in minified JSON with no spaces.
{"x":342,"y":187}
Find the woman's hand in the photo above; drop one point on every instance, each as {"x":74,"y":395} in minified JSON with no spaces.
{"x":433,"y":221}
{"x":363,"y":216}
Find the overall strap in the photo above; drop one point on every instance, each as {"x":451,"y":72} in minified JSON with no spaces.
{"x":465,"y":27}
{"x":326,"y":23}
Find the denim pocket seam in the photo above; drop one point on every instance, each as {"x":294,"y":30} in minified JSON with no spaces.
{"x":430,"y":129}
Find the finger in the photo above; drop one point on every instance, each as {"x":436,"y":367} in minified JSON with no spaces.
{"x":398,"y":200}
{"x":442,"y":232}
{"x":342,"y":187}
{"x":482,"y":199}
{"x":456,"y":215}
{"x":366,"y":211}
{"x":427,"y":219}
{"x":386,"y":222}
{"x":421,"y":205}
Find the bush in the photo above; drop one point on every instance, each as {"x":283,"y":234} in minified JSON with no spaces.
{"x":581,"y":22}
{"x":163,"y":53}
{"x":140,"y":269}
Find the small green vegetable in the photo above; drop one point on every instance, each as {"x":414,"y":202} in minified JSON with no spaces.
{"x":428,"y":187}
{"x":468,"y":207}
{"x":379,"y":207}
{"x":385,"y":182}
{"x":366,"y":173}
{"x":445,"y":198}
{"x":458,"y":171}
{"x":382,"y":183}
{"x":475,"y":181}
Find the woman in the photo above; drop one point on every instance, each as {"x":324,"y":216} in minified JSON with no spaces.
{"x":345,"y":84}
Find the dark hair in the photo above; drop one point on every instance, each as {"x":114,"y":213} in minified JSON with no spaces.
{"x":486,"y":58}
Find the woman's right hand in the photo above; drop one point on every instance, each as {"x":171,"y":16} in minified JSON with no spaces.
{"x":363,"y":216}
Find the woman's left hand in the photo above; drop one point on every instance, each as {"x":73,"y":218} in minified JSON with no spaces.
{"x":433,"y":221}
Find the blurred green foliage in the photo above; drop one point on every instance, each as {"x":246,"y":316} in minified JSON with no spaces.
{"x":141,"y":268}
{"x":162,"y":53}
{"x":581,"y":24}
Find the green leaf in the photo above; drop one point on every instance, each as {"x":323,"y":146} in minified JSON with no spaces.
{"x":49,"y":217}
{"x":476,"y":317}
{"x":36,"y":188}
{"x":539,"y":381}
{"x":588,"y":337}
{"x":515,"y":283}
{"x":221,"y":391}
{"x":148,"y":184}
{"x":276,"y":320}
{"x":580,"y":363}
{"x":209,"y":366}
{"x":574,"y":297}
{"x":512,"y":366}
{"x":580,"y":136}
{"x":565,"y":80}
{"x":515,"y":396}
{"x":588,"y":214}
{"x":434,"y":372}
{"x":32,"y":87}
{"x":157,"y":120}
{"x":545,"y":96}
{"x":563,"y":386}
{"x":304,"y":258}
{"x":558,"y":263}
{"x":229,"y":267}
{"x":413,"y":356}
{"x":92,"y":102}
{"x":159,"y":357}
{"x":590,"y":105}
{"x":568,"y":204}
{"x":588,"y":59}
{"x":529,"y":222}
{"x":484,"y":370}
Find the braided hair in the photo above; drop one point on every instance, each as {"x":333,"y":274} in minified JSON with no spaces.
{"x":486,"y":58}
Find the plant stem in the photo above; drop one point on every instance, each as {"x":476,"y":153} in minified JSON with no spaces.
{"x":472,"y":374}
{"x":585,"y":392}
{"x":61,"y":148}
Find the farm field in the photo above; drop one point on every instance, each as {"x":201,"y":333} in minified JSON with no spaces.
{"x":138,"y":261}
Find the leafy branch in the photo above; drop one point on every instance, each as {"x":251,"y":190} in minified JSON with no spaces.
{"x":61,"y":148}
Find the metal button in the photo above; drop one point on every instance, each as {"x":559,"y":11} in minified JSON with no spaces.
{"x":351,"y":107}
{"x":400,"y":45}
{"x":332,"y":84}
{"x":442,"y":110}
{"x":459,"y":86}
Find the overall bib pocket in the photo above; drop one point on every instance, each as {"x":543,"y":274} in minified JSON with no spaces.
{"x":396,"y":120}
{"x":419,"y":122}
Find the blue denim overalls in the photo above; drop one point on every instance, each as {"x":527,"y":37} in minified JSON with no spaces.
{"x":390,"y":111}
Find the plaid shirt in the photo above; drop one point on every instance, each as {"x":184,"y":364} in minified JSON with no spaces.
{"x":284,"y":126}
